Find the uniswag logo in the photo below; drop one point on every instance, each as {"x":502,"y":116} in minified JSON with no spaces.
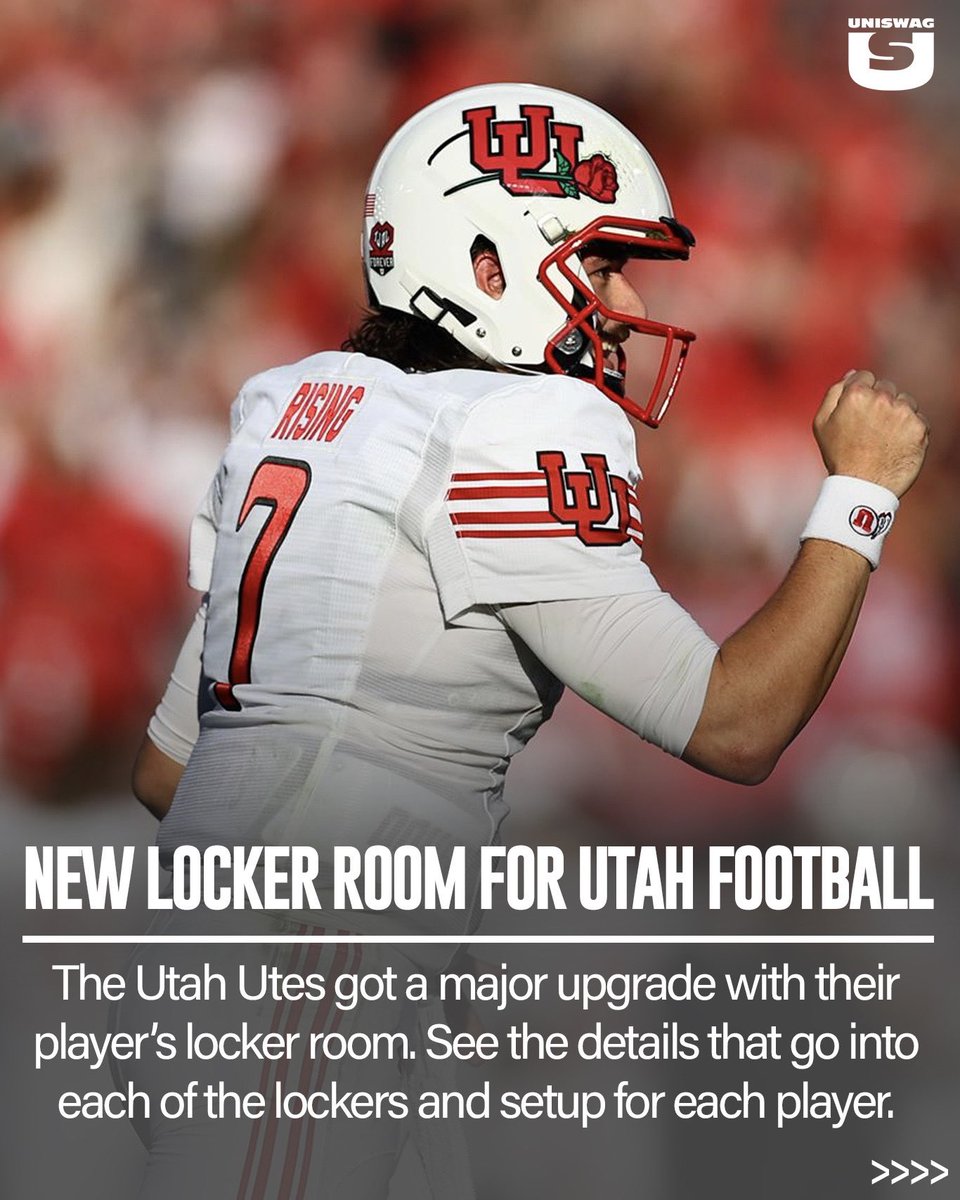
{"x":890,"y":54}
{"x":585,"y":498}
{"x":536,"y":155}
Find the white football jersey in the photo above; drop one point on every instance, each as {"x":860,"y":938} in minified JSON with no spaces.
{"x":364,"y":527}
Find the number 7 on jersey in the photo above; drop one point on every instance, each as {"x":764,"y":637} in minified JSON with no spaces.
{"x":279,"y":484}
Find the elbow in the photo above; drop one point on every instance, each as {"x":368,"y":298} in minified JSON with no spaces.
{"x":153,"y":798}
{"x":749,"y":768}
{"x":154,"y":779}
{"x":741,"y":732}
{"x":152,"y":801}
{"x":740,"y":761}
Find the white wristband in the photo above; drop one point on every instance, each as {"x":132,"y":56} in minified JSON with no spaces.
{"x":854,"y":513}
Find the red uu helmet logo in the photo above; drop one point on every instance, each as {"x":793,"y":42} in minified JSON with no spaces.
{"x":515,"y":154}
{"x":593,"y":492}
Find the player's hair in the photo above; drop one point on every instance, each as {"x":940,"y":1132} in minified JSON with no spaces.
{"x":410,"y":343}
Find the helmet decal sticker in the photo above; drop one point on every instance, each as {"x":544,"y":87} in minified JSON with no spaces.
{"x":515,"y":153}
{"x":596,"y":177}
{"x":381,"y":246}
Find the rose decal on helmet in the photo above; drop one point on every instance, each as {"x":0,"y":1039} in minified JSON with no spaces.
{"x":596,"y":177}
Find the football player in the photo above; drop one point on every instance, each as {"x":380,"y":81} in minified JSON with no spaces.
{"x":414,"y":543}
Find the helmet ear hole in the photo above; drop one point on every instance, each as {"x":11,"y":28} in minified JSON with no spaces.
{"x":487,"y":268}
{"x":480,"y":244}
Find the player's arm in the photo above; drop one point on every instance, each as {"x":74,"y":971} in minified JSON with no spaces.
{"x":770,"y":676}
{"x":155,"y":778}
{"x":731,"y":712}
{"x":173,"y":728}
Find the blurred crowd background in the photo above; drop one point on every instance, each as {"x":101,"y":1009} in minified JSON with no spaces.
{"x":181,"y":189}
{"x":180,"y":193}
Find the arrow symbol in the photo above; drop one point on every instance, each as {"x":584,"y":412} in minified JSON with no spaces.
{"x":884,"y":1171}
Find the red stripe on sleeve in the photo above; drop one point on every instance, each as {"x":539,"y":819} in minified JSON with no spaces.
{"x":494,"y":493}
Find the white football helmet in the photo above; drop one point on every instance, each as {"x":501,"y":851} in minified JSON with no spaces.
{"x":540,"y":174}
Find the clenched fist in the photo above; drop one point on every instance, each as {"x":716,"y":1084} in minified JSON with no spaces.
{"x":868,"y":429}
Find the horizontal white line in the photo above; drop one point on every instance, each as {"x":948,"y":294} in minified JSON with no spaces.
{"x":479,"y":503}
{"x":478,"y":939}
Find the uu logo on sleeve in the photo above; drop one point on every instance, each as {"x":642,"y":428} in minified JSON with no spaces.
{"x":555,"y":501}
{"x":585,"y":499}
{"x":890,"y":54}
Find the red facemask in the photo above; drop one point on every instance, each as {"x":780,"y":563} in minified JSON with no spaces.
{"x":565,"y":351}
